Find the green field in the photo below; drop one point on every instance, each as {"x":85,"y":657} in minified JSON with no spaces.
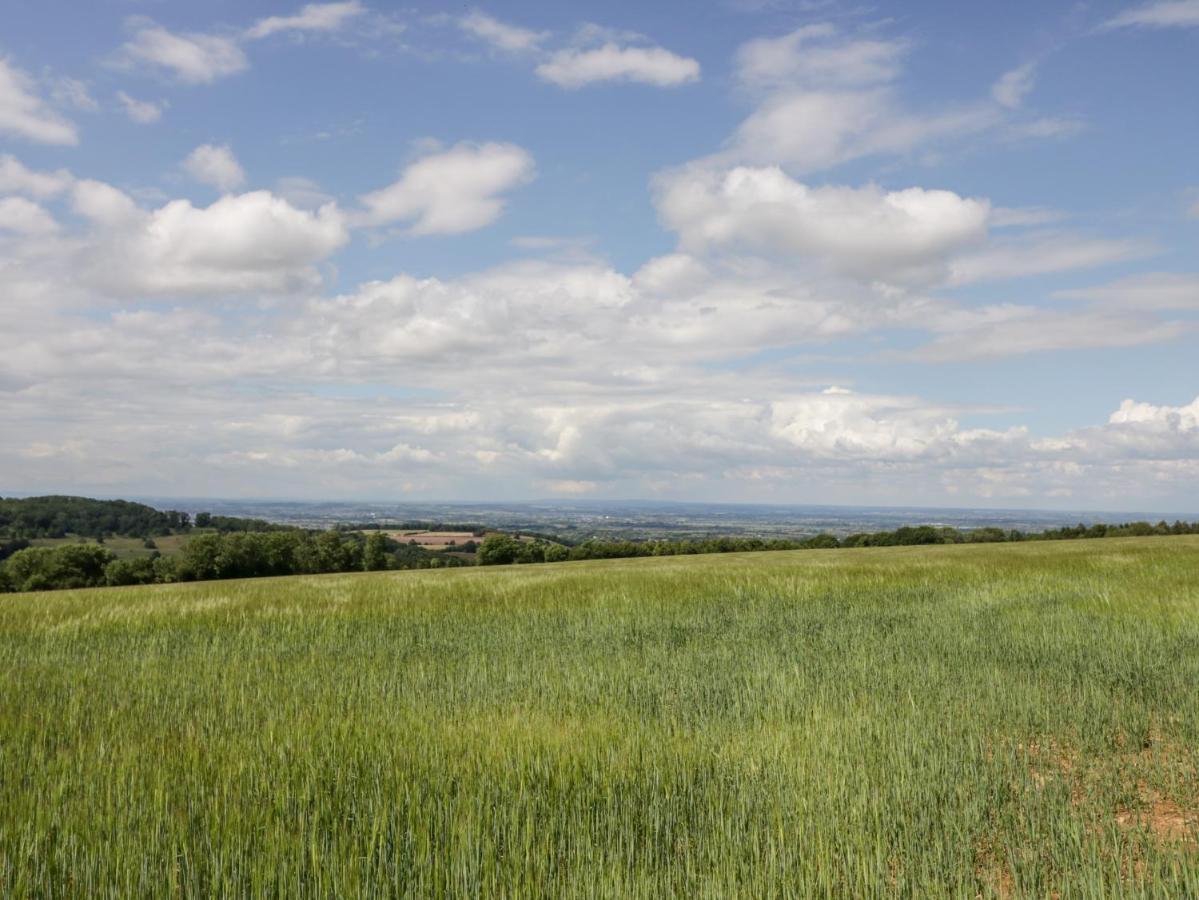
{"x":959,"y":721}
{"x":127,"y":547}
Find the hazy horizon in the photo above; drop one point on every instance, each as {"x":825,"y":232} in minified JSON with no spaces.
{"x":584,"y":503}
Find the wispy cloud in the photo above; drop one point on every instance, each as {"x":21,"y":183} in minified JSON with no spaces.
{"x":1162,"y":14}
{"x":501,"y":35}
{"x":25,"y":114}
{"x":314,"y":17}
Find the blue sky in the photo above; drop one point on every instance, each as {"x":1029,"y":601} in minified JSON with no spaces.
{"x":780,"y":251}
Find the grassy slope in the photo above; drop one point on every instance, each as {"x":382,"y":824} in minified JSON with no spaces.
{"x":126,"y":547}
{"x":949,"y":721}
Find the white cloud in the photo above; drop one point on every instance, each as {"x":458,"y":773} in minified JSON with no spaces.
{"x":194,"y":58}
{"x":24,"y":114}
{"x":1162,"y":14}
{"x":103,"y":204}
{"x":254,"y":242}
{"x":546,"y":374}
{"x":1153,"y":291}
{"x":24,"y":216}
{"x":1011,"y":89}
{"x":319,"y":17}
{"x":1139,"y":438}
{"x":501,"y":35}
{"x":860,"y":231}
{"x":809,"y":130}
{"x":672,"y":274}
{"x":1161,"y":418}
{"x":841,"y":424}
{"x":216,"y":166}
{"x":141,"y":111}
{"x":15,"y":178}
{"x":575,"y":68}
{"x":451,"y":192}
{"x":1041,"y":253}
{"x":993,"y":332}
{"x":816,"y":56}
{"x":825,"y":97}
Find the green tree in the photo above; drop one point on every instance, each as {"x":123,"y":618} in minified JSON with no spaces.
{"x":556,"y":553}
{"x":374,"y":554}
{"x":53,"y":568}
{"x":130,"y":571}
{"x":498,"y":550}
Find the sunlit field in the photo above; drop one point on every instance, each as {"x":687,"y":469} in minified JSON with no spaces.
{"x":960,"y":721}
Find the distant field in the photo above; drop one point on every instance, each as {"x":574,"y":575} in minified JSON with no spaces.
{"x":434,"y":540}
{"x":443,"y":540}
{"x":126,"y":547}
{"x":954,"y":721}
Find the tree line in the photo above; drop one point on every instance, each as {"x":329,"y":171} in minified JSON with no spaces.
{"x":505,"y":550}
{"x":57,"y":516}
{"x":215,"y":556}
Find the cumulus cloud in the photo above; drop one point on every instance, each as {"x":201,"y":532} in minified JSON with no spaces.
{"x":141,"y":111}
{"x":839,"y":423}
{"x":546,"y":374}
{"x":1162,"y":14}
{"x":15,"y":178}
{"x":452,"y":191}
{"x":1139,"y":438}
{"x":501,"y":35}
{"x":1011,"y":89}
{"x":1160,"y":418}
{"x":216,"y":166}
{"x":863,"y":231}
{"x":103,"y":204}
{"x":577,"y":67}
{"x":254,"y":242}
{"x":194,"y":58}
{"x":25,"y":114}
{"x":316,"y":17}
{"x":25,"y":216}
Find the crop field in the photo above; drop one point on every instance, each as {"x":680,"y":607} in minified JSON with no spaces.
{"x":434,"y":540}
{"x":962,"y":721}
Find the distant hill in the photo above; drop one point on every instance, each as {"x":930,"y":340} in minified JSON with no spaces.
{"x":57,"y":516}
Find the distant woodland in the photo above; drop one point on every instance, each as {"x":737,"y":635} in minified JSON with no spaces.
{"x":58,"y":542}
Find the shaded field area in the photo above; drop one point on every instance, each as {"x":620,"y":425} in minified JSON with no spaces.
{"x":950,"y":721}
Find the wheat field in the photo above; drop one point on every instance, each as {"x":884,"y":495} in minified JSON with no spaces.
{"x":959,"y":721}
